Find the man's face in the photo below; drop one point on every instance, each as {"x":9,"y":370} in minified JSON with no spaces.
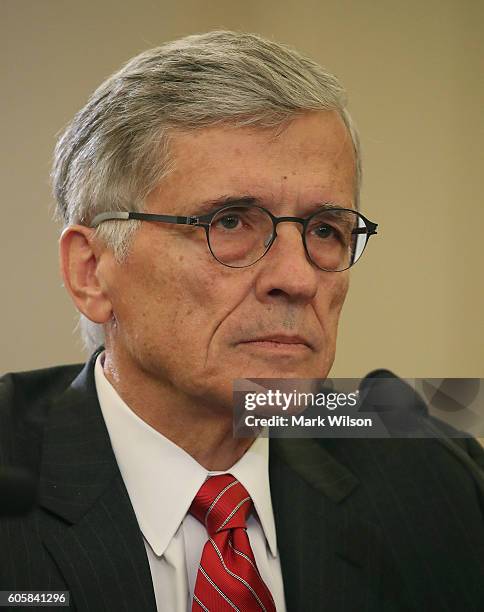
{"x":192,"y":324}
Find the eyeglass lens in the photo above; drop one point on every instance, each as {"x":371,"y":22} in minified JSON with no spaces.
{"x":240,"y":236}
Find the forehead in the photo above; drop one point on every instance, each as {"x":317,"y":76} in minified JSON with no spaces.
{"x":310,"y":158}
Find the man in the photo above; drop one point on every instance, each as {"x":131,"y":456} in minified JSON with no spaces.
{"x":209,"y":192}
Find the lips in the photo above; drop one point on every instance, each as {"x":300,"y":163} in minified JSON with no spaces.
{"x":279,"y":339}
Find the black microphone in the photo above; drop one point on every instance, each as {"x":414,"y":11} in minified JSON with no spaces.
{"x":400,"y":408}
{"x":18,"y":491}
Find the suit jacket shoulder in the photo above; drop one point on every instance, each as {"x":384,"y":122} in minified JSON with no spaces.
{"x":82,"y":535}
{"x":25,"y":400}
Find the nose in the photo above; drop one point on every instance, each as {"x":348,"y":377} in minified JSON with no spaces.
{"x":286,"y":272}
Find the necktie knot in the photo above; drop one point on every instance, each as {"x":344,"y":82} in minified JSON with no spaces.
{"x":221,"y":503}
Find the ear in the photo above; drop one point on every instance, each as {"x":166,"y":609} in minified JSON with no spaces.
{"x":79,"y":261}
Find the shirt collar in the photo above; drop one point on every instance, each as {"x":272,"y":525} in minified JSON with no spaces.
{"x":162,"y":479}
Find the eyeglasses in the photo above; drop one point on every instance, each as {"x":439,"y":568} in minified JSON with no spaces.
{"x":239,"y":235}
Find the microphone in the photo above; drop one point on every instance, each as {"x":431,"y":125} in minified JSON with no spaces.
{"x":400,"y":408}
{"x":18,"y":491}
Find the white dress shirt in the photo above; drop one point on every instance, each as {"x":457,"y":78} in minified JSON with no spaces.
{"x":162,"y":481}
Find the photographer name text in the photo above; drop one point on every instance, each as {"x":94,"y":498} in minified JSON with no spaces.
{"x":332,"y":420}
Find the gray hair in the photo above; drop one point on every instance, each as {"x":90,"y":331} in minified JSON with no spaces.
{"x":116,"y":150}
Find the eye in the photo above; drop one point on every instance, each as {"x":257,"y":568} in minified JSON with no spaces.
{"x":325,"y":231}
{"x":235,"y":219}
{"x":228,"y":221}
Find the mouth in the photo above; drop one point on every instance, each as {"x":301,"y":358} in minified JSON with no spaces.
{"x":279,"y":342}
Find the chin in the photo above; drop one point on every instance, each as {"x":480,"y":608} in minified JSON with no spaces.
{"x":288,"y":371}
{"x":264,"y":360}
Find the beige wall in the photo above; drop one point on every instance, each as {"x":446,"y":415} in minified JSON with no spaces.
{"x":412,"y":71}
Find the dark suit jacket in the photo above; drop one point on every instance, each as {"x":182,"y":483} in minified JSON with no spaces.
{"x":362,"y":525}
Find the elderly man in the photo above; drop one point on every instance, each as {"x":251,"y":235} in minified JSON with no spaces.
{"x":209,"y":192}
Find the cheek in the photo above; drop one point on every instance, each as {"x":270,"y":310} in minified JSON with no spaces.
{"x":187,"y":300}
{"x":332,"y":296}
{"x":340,"y":289}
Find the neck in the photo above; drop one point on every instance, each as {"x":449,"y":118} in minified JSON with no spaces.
{"x":200,"y":430}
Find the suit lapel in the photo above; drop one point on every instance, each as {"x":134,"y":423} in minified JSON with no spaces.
{"x":330,"y":558}
{"x":87,"y":523}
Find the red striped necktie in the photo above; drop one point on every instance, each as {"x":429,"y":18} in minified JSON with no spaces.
{"x":228,"y":578}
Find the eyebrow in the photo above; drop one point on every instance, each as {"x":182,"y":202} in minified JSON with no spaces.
{"x":210,"y":205}
{"x":250,"y":200}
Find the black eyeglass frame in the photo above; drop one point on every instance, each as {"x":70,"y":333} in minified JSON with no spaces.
{"x":206,"y":220}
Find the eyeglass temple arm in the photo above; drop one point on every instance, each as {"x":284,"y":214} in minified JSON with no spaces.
{"x":370,"y":229}
{"x":125,"y":216}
